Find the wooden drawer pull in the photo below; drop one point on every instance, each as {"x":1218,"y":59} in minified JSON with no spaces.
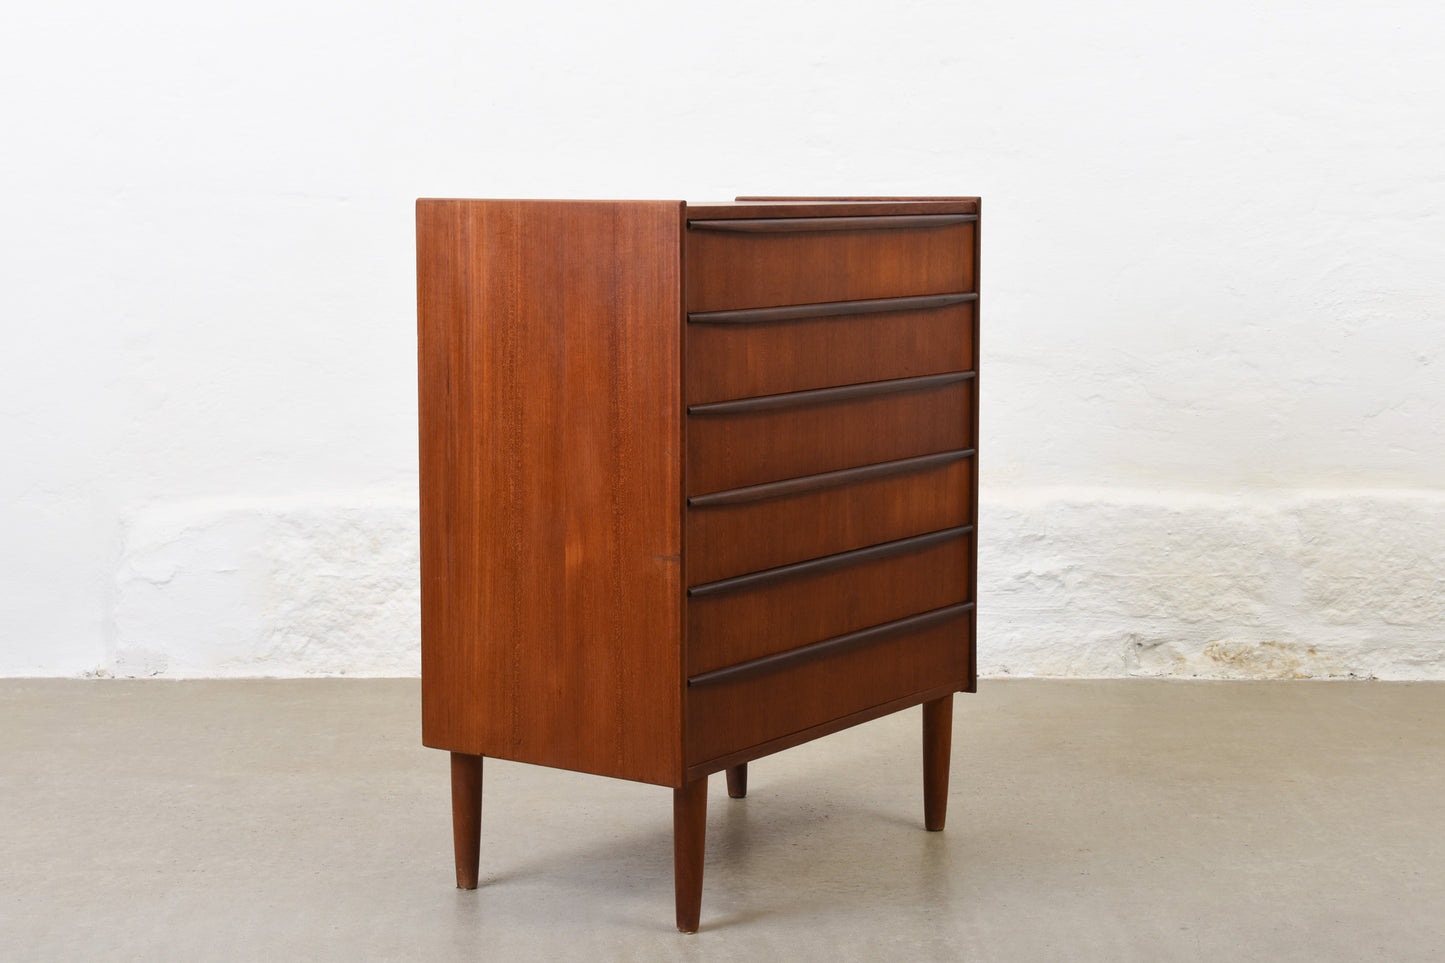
{"x":823,"y":396}
{"x":827,"y":479}
{"x":817,"y":566}
{"x":830,"y":309}
{"x":829,"y":647}
{"x":801,"y":225}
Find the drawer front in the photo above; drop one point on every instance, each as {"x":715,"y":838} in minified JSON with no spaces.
{"x":757,"y":440}
{"x":749,"y":530}
{"x":735,"y":620}
{"x":746,"y":353}
{"x":729,"y":716}
{"x":752,"y":264}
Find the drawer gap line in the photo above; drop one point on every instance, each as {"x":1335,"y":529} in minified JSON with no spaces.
{"x":827,"y":563}
{"x":827,"y":479}
{"x":803,"y":654}
{"x":831,"y":309}
{"x":823,"y":396}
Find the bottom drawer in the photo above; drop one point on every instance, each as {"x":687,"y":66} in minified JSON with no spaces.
{"x":763,"y":701}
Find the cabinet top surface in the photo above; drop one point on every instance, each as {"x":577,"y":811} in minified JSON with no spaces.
{"x":745,"y":207}
{"x":831,"y":206}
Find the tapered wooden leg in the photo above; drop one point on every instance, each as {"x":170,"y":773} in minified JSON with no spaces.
{"x":689,"y":832}
{"x":738,"y":781}
{"x":467,"y":816}
{"x":937,"y":742}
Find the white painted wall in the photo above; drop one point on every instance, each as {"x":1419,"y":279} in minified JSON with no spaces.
{"x":1214,"y":410}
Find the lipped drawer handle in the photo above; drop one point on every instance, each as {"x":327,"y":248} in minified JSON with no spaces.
{"x":827,"y":479}
{"x":824,"y":396}
{"x":831,"y":309}
{"x":829,"y":647}
{"x":828,"y":563}
{"x":805,"y":225}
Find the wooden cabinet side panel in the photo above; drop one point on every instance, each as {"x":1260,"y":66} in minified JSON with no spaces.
{"x":550,"y":409}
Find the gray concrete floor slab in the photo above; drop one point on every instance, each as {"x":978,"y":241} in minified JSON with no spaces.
{"x":1089,"y":820}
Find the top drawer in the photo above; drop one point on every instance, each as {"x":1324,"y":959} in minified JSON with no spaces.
{"x":761,"y":262}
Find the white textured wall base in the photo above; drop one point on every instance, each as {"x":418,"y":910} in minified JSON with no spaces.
{"x":1309,"y":585}
{"x":1211,"y":260}
{"x":1071,"y":583}
{"x":266,"y":588}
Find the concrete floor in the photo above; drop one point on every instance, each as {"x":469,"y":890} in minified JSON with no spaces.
{"x":1127,"y":820}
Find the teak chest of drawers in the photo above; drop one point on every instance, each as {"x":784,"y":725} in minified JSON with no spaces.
{"x":698,"y":484}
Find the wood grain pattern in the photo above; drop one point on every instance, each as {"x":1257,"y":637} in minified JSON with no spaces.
{"x":789,"y":487}
{"x":836,"y":394}
{"x":972,"y":684}
{"x":728,"y":718}
{"x":725,"y":628}
{"x":738,"y":781}
{"x":829,"y":309}
{"x":772,"y":577}
{"x":776,"y":407}
{"x":837,"y":724}
{"x":689,"y":841}
{"x":549,"y":353}
{"x":826,"y":650}
{"x":730,"y":539}
{"x":732,"y":449}
{"x":766,"y":357}
{"x":937,"y":747}
{"x":726,"y":271}
{"x":831,"y":207}
{"x":467,"y":817}
{"x":933,"y":201}
{"x":803,"y":225}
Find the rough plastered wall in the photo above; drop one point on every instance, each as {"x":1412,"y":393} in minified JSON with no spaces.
{"x":1214,"y":316}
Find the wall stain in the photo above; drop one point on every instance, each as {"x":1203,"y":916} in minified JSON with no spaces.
{"x":1239,"y":659}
